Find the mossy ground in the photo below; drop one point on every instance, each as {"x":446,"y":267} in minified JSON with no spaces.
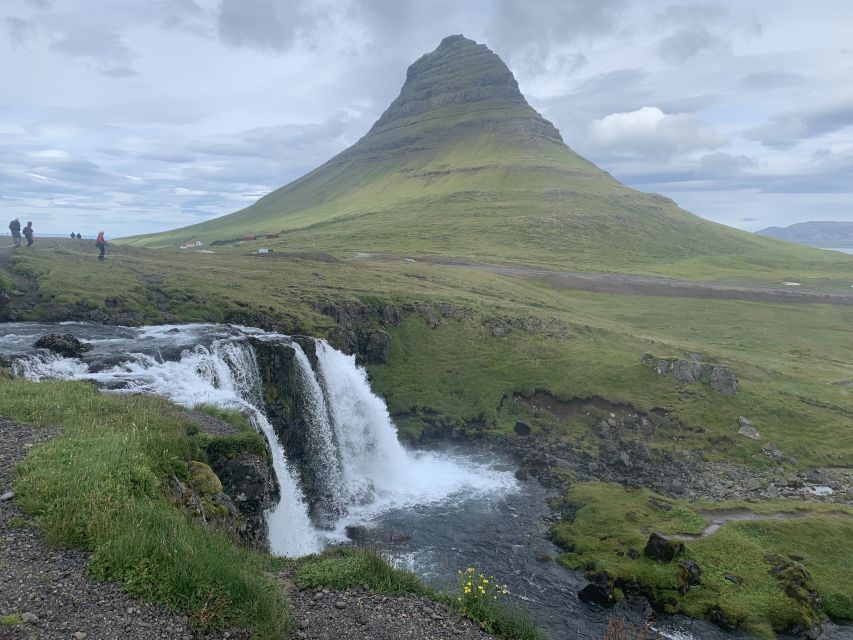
{"x":613,"y":523}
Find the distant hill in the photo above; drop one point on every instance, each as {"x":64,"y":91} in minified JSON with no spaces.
{"x":815,"y":233}
{"x":460,"y":165}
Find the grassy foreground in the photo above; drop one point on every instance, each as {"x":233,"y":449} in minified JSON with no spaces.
{"x":97,"y":487}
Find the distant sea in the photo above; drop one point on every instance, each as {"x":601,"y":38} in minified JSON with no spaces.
{"x":841,"y":249}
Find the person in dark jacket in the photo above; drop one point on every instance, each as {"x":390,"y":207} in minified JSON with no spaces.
{"x":15,"y":228}
{"x":72,"y":235}
{"x":101,"y":243}
{"x":79,"y":237}
{"x":28,"y":232}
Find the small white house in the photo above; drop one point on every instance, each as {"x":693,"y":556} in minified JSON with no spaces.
{"x":192,"y":245}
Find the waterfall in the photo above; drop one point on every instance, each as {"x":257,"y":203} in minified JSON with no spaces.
{"x":324,"y":455}
{"x":354,"y":467}
{"x":225,"y":375}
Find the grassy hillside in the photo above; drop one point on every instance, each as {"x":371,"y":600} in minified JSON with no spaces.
{"x":461,"y":166}
{"x":793,"y":362}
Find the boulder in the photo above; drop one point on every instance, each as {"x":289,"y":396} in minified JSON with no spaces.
{"x":744,"y":422}
{"x":723,"y":380}
{"x":595,"y":595}
{"x":65,"y":345}
{"x":522,"y":428}
{"x":203,"y":480}
{"x":660,"y":547}
{"x":599,"y":592}
{"x":749,"y":432}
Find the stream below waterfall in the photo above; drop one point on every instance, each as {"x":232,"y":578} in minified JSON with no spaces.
{"x":432,"y":511}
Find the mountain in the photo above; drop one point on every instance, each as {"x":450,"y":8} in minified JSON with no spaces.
{"x":460,"y":165}
{"x":815,"y":233}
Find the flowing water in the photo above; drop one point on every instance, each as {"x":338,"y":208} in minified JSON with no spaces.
{"x":434,"y":512}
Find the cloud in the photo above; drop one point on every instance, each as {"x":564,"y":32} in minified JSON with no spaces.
{"x":649,"y":132}
{"x":689,"y":42}
{"x":768,"y":80}
{"x":19,"y":30}
{"x":97,"y":42}
{"x":785,"y":130}
{"x":269,"y":25}
{"x":44,"y":5}
{"x":724,"y":163}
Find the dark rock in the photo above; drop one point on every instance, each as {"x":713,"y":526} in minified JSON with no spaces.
{"x":689,"y":574}
{"x":633,"y":554}
{"x":659,"y":547}
{"x":733,"y":578}
{"x":724,"y":618}
{"x":521,"y":474}
{"x":357,"y":532}
{"x":65,"y":345}
{"x":596,"y":595}
{"x":390,"y":315}
{"x":249,"y":482}
{"x":522,"y":428}
{"x":376,"y":347}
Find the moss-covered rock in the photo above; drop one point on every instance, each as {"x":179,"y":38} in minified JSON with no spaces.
{"x":203,"y":480}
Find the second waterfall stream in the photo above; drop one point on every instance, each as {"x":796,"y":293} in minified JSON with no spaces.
{"x":359,"y":467}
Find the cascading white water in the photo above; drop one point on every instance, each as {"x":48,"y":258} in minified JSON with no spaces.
{"x":355,"y":455}
{"x":324,"y":453}
{"x":379,"y":473}
{"x":225,"y":375}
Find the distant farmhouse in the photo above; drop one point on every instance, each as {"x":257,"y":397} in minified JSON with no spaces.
{"x":192,"y":245}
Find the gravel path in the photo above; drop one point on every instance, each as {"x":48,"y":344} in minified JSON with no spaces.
{"x":321,"y":614}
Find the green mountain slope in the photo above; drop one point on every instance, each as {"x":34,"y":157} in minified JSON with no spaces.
{"x":460,"y":165}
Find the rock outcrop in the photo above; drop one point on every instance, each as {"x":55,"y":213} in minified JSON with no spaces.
{"x":718,"y":376}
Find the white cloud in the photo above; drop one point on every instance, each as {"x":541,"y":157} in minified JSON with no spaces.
{"x":649,"y":132}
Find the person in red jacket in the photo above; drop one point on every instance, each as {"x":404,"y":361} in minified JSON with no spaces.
{"x":101,"y":243}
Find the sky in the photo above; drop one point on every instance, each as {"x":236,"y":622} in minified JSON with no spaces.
{"x":142,"y":115}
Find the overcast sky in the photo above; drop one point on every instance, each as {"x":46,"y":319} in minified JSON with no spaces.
{"x":142,"y":115}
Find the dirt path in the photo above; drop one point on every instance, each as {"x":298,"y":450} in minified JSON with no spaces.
{"x":719,"y":518}
{"x":642,"y":285}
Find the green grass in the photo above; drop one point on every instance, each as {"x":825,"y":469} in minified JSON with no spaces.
{"x":612,"y":520}
{"x":793,"y":360}
{"x":342,"y":569}
{"x":11,"y":620}
{"x":98,"y":486}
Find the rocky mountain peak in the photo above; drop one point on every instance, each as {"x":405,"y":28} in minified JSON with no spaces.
{"x":460,"y":73}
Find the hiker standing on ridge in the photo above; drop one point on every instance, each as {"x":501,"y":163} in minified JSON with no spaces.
{"x":101,"y":243}
{"x":28,"y":232}
{"x":15,"y":228}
